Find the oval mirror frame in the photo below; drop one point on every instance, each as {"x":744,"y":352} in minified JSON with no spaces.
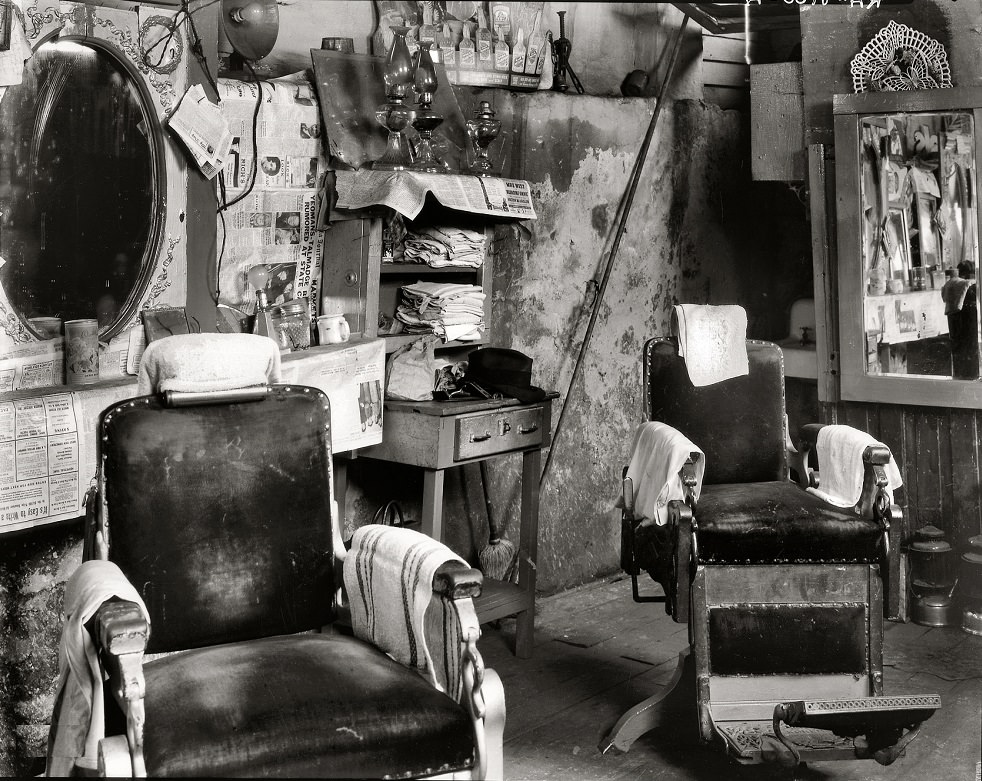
{"x":158,"y":181}
{"x":855,"y":383}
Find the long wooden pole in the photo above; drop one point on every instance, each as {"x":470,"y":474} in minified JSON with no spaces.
{"x":625,"y":212}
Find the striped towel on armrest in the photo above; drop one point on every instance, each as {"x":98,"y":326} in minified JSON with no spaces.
{"x":388,"y":575}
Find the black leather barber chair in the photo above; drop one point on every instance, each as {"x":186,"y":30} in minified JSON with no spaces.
{"x":218,"y":508}
{"x":783,"y":593}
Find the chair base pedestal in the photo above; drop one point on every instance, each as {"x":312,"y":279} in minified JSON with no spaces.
{"x":673,"y":706}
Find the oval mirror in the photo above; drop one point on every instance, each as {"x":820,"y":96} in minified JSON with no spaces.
{"x":81,"y":187}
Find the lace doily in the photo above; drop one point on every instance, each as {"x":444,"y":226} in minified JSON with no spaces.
{"x":899,"y":58}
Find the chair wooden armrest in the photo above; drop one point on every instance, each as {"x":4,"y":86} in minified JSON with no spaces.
{"x":454,"y":580}
{"x":121,"y":632}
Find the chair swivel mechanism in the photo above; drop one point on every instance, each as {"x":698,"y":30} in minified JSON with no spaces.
{"x":782,"y":592}
{"x":218,"y":508}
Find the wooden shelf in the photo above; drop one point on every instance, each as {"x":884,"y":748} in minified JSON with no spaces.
{"x":424,"y":269}
{"x":395,"y":341}
{"x":499,"y":599}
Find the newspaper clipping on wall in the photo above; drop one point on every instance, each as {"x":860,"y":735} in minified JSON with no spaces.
{"x":273,"y":186}
{"x":40,"y":459}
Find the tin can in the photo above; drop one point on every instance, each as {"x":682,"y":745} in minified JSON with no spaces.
{"x":81,"y":351}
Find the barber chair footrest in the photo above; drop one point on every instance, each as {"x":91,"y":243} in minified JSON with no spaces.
{"x":860,"y":728}
{"x":754,"y":741}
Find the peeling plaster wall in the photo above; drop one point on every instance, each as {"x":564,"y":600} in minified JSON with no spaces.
{"x":578,"y":156}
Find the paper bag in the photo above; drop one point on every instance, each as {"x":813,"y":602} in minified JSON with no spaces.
{"x":411,"y":371}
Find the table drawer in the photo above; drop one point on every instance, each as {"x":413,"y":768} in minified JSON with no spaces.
{"x":497,"y":431}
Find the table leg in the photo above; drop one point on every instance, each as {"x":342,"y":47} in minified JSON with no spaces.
{"x":340,"y":488}
{"x":432,"y":520}
{"x":529,"y":536}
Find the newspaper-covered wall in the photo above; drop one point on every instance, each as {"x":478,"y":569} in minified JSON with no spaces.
{"x":274,"y":226}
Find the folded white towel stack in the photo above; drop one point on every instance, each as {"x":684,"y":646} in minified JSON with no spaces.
{"x":658,"y":454}
{"x":388,"y":574}
{"x":442,"y":246}
{"x":447,"y":309}
{"x":208,"y":362}
{"x":78,"y":720}
{"x":840,"y":465}
{"x":713,"y":342}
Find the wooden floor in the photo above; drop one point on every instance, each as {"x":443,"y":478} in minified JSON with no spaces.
{"x":598,"y":653}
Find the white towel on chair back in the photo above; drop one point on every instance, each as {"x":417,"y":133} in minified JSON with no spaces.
{"x":208,"y":362}
{"x":388,"y":575}
{"x":78,"y":721}
{"x":713,"y":342}
{"x":659,"y":453}
{"x":840,"y":465}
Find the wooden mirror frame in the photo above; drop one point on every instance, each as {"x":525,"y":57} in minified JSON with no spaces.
{"x":856,"y":384}
{"x":158,"y":184}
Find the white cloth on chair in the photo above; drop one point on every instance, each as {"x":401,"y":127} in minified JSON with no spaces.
{"x":78,"y":721}
{"x":713,"y":342}
{"x":388,"y":575}
{"x":840,"y":465}
{"x":208,"y":362}
{"x":659,"y":453}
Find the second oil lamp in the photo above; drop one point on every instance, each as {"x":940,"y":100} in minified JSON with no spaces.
{"x":426,"y":120}
{"x":394,"y":115}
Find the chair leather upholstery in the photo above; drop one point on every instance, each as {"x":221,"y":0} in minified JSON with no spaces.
{"x":739,"y":423}
{"x":299,"y":706}
{"x":774,"y":522}
{"x":224,"y":520}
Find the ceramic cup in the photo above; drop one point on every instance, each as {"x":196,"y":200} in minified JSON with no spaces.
{"x":81,"y":351}
{"x":332,"y":329}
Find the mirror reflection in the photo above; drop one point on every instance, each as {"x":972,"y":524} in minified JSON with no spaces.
{"x":77,"y":188}
{"x":920,"y":248}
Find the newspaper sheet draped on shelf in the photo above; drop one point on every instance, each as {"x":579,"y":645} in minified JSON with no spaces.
{"x":275,"y":225}
{"x":405,"y":192}
{"x":353,"y":377}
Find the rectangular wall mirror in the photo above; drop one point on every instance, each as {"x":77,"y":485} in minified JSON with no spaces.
{"x":908,"y":246}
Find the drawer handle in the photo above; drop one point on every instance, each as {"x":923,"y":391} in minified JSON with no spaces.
{"x":481,"y":437}
{"x":530,"y":430}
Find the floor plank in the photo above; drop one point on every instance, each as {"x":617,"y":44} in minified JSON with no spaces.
{"x":598,"y":653}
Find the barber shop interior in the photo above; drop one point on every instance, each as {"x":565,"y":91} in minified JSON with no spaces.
{"x":668,"y":469}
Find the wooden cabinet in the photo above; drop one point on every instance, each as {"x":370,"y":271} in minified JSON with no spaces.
{"x":356,"y":281}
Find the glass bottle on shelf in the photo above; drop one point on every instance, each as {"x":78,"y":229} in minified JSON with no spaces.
{"x":261,"y":324}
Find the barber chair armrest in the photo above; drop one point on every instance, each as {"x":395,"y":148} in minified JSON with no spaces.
{"x":454,"y":580}
{"x":120,"y":628}
{"x":121,"y":632}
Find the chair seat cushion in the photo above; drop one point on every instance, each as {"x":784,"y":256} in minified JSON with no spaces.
{"x":773,"y":522}
{"x":299,"y":705}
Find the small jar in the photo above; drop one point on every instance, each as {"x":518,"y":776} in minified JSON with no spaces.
{"x":291,"y":321}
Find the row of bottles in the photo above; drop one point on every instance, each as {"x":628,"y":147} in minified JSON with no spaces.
{"x":466,"y":46}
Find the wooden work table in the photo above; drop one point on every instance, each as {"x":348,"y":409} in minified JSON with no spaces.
{"x":436,"y":436}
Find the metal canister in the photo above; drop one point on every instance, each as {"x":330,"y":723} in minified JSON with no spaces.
{"x":970,"y":586}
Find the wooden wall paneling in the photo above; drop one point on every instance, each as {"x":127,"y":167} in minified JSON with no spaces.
{"x":891,"y":432}
{"x":927,"y":467}
{"x":965,"y":519}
